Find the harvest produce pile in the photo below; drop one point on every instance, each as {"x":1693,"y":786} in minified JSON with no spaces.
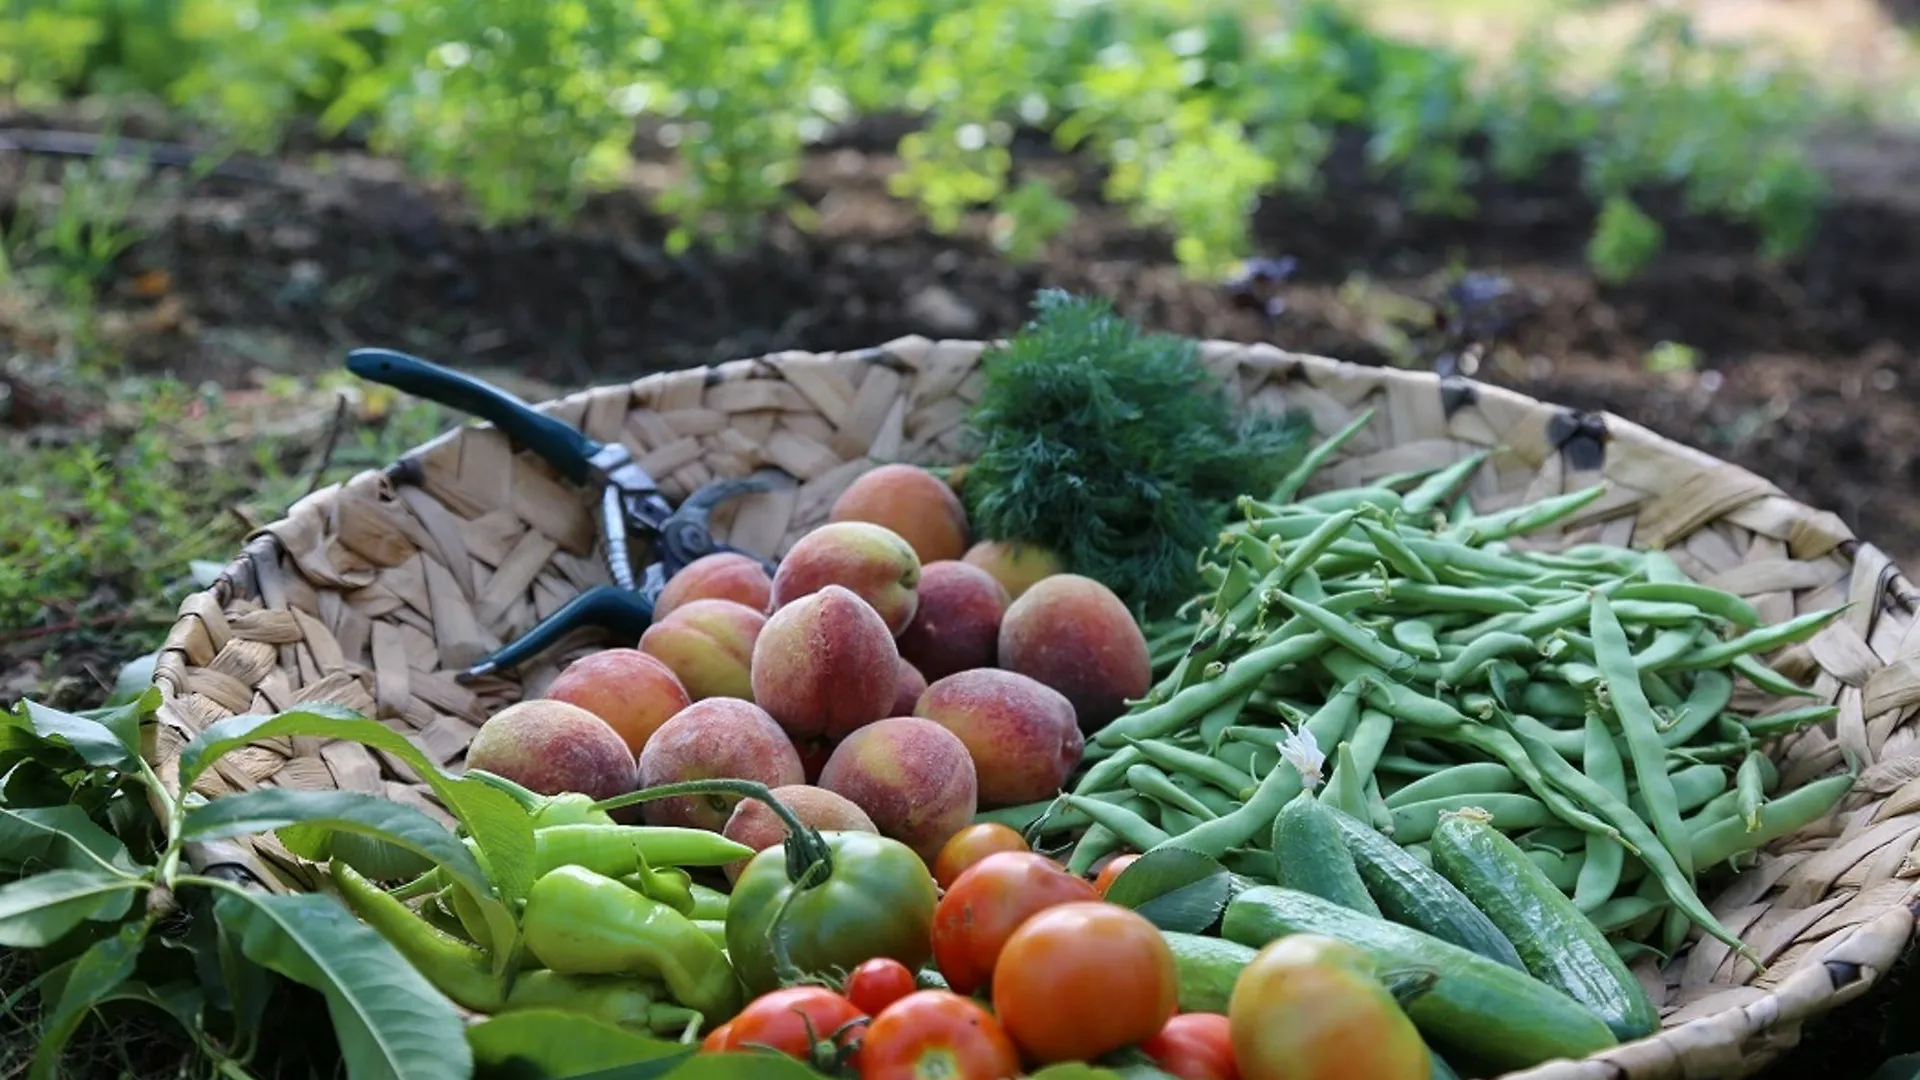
{"x":1376,"y":787}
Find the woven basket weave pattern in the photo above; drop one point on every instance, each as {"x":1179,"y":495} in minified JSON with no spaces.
{"x":370,"y":594}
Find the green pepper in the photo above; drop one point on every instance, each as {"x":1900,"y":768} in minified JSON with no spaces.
{"x":817,"y":902}
{"x":568,"y":808}
{"x":578,"y":922}
{"x":670,"y":885}
{"x":623,"y":1002}
{"x":459,"y":970}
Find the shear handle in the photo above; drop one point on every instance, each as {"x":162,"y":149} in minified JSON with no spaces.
{"x":625,"y":614}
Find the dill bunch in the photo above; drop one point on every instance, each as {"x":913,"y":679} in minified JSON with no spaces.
{"x":1115,"y":449}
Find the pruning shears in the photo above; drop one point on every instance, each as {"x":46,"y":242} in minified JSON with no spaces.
{"x":631,"y":505}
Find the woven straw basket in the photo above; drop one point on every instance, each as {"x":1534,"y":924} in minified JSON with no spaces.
{"x":372,"y":593}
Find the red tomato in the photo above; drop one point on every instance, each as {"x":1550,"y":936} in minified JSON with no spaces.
{"x":879,"y":983}
{"x":1114,"y":868}
{"x":1306,"y":1008}
{"x":716,"y":1040}
{"x":970,"y":845}
{"x":987,"y":902}
{"x":810,"y":1023}
{"x":937,"y":1035}
{"x":1081,"y":980}
{"x":1194,"y":1046}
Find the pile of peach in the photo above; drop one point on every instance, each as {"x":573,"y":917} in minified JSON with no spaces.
{"x":886,"y":678}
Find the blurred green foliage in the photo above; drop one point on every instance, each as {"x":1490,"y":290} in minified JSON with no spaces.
{"x":1196,"y":107}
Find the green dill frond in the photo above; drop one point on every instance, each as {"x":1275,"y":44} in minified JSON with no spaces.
{"x":1115,"y":448}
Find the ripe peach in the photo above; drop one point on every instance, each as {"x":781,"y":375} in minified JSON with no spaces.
{"x":718,"y":738}
{"x":633,"y":692}
{"x":1015,"y":565}
{"x":723,"y":575}
{"x":872,"y":561}
{"x":1020,"y":734}
{"x":553,"y":747}
{"x":912,"y":777}
{"x":911,"y":501}
{"x":1073,"y":634}
{"x":756,"y":825}
{"x":709,"y":645}
{"x":825,"y":665}
{"x":908,"y":690}
{"x":957,"y":625}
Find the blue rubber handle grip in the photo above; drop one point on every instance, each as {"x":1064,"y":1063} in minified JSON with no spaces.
{"x":566,"y":449}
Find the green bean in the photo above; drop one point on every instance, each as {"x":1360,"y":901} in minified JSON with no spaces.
{"x":1246,"y":757}
{"x":1346,"y":791}
{"x":1720,"y":808}
{"x":1552,"y":617}
{"x":1765,"y":639}
{"x":1563,"y":868}
{"x":1369,"y":740}
{"x":1654,"y":612}
{"x":1251,"y":863}
{"x":1259,"y":556}
{"x":1108,"y":773}
{"x":1715,"y":602}
{"x":1645,"y":751}
{"x":1660,"y":567}
{"x":1659,"y":691}
{"x":1622,"y":911}
{"x":1156,"y":785}
{"x":1415,"y":822}
{"x":1768,"y":679}
{"x":1334,"y":722}
{"x":1388,"y":696}
{"x":1177,"y":821}
{"x":1711,"y":692}
{"x":1456,"y":671}
{"x":1436,"y":488}
{"x":1667,"y":646}
{"x":1697,"y":785}
{"x":1787,"y":814}
{"x":1219,"y":718}
{"x":1133,"y":829}
{"x":1292,"y":527}
{"x":1380,"y":498}
{"x":1474,"y":777}
{"x":1749,"y":785}
{"x":1395,"y":552}
{"x":1282,"y":782}
{"x":1526,"y":518}
{"x":1345,"y":634}
{"x":1094,"y":844}
{"x":1416,"y":636}
{"x":1456,"y":598}
{"x":1501,"y":746}
{"x":1790,"y":720}
{"x":1600,"y":875}
{"x":1199,"y":766}
{"x":1439,"y":553}
{"x":1311,"y":461}
{"x":1549,"y":699}
{"x":1215,"y":800}
{"x":1312,"y":546}
{"x":1258,"y":734}
{"x":1402,"y":765}
{"x":1378,"y":813}
{"x":1582,"y":677}
{"x":1240,"y":676}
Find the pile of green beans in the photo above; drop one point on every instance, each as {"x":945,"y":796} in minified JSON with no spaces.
{"x":1581,"y":697}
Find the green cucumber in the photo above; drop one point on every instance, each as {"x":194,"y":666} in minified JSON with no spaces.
{"x":1560,"y":946}
{"x":1312,"y":856}
{"x":1483,"y":1009}
{"x":1412,"y":894}
{"x":1208,"y":968}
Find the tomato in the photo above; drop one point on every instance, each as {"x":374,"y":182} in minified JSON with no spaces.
{"x":879,"y":983}
{"x":987,"y":902}
{"x":811,"y":1023}
{"x":1309,"y":1008}
{"x":937,"y":1035}
{"x":1194,"y":1046}
{"x":970,"y":845}
{"x":1080,"y":980}
{"x":716,"y":1040}
{"x":1114,"y":868}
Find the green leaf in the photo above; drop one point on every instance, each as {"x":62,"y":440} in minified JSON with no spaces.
{"x":389,"y":1020}
{"x":95,"y":974}
{"x":134,"y":679}
{"x":37,"y":911}
{"x":1074,"y":1070}
{"x":58,"y":836}
{"x":533,"y":1043}
{"x":96,"y":743}
{"x":181,"y":999}
{"x":761,"y":1066}
{"x":1176,"y":889}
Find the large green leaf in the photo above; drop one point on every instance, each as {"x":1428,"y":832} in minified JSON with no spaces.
{"x":96,"y":743}
{"x":1176,"y":889}
{"x":535,"y":1043}
{"x":390,"y":1022}
{"x":37,"y":911}
{"x":58,"y":836}
{"x":98,"y":971}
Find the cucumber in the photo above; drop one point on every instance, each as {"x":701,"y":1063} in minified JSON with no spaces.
{"x":1208,"y":967}
{"x":1312,"y":856}
{"x":1483,"y":1009}
{"x":1412,"y":894}
{"x":1560,"y":946}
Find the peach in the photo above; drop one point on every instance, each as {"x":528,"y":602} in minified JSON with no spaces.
{"x":912,"y":777}
{"x":870,"y":560}
{"x":633,"y":692}
{"x":756,"y":825}
{"x":718,"y":738}
{"x":957,"y":623}
{"x":825,"y":665}
{"x":911,"y":501}
{"x":709,"y":645}
{"x":1073,"y":634}
{"x":723,"y":575}
{"x":908,"y":690}
{"x":553,"y":747}
{"x":1015,"y":565}
{"x":1021,"y":735}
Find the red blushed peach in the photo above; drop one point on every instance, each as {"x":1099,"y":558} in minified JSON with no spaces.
{"x":633,"y":692}
{"x":756,"y":825}
{"x":1015,"y":565}
{"x":908,"y":690}
{"x":1020,"y":734}
{"x":553,"y":747}
{"x":911,"y":501}
{"x":723,"y":575}
{"x":957,"y":624}
{"x":912,"y":777}
{"x":714,"y":739}
{"x":870,"y":560}
{"x":1073,"y":634}
{"x":825,"y":665}
{"x":709,"y":645}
